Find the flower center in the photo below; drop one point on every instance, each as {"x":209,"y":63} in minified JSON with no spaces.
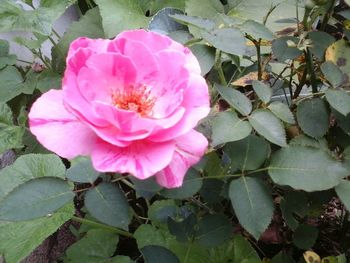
{"x":137,"y":99}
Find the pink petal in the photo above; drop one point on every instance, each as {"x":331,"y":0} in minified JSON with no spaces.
{"x":77,"y":103}
{"x":129,"y":125}
{"x":57,"y":129}
{"x":154,"y":41}
{"x":189,"y":150}
{"x":81,"y":49}
{"x":140,"y":55}
{"x":118,"y":68}
{"x":196,"y":103}
{"x":141,"y":159}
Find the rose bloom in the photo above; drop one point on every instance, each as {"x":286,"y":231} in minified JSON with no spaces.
{"x":130,"y":103}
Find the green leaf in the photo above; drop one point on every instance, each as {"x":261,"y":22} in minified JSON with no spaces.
{"x":5,"y":114}
{"x":346,"y":156}
{"x":332,"y":73}
{"x":163,"y":23}
{"x":227,"y":127}
{"x":90,"y":25}
{"x":339,"y":100}
{"x":343,"y":191}
{"x":211,"y":191}
{"x":97,"y":246}
{"x":320,"y":41}
{"x":305,"y":168}
{"x":342,"y":121}
{"x":120,"y":259}
{"x":35,"y":198}
{"x":305,"y":236}
{"x":10,"y":135}
{"x":253,"y":205}
{"x":313,"y":117}
{"x":146,"y":188}
{"x":256,"y":30}
{"x":229,"y":40}
{"x":249,"y":153}
{"x":263,"y":91}
{"x":149,"y":235}
{"x":243,"y":251}
{"x":191,"y":185}
{"x":157,"y":5}
{"x":202,"y":9}
{"x":282,"y":111}
{"x":4,"y":48}
{"x":257,"y":10}
{"x":28,"y":167}
{"x":268,"y":126}
{"x":108,"y":204}
{"x":205,"y":56}
{"x":48,"y":80}
{"x":294,"y":203}
{"x":235,"y":98}
{"x":158,"y":254}
{"x":160,"y":210}
{"x":184,"y":228}
{"x":339,"y":54}
{"x":5,"y":58}
{"x":19,"y":239}
{"x":82,"y":171}
{"x":284,"y":48}
{"x":213,"y":230}
{"x":11,"y":83}
{"x":40,"y":20}
{"x":121,"y":15}
{"x":196,"y":21}
{"x":282,"y":257}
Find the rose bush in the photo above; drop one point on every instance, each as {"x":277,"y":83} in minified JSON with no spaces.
{"x":130,"y":103}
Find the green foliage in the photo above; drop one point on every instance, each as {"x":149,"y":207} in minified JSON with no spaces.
{"x":108,"y":204}
{"x":268,"y":126}
{"x":306,"y":168}
{"x":227,"y":127}
{"x":19,"y":239}
{"x":263,"y":91}
{"x":35,"y":198}
{"x":11,"y":83}
{"x":305,"y":236}
{"x":236,"y":99}
{"x":312,"y":116}
{"x":121,"y":15}
{"x":10,"y":134}
{"x":81,"y":171}
{"x":97,"y":245}
{"x":279,"y":134}
{"x":252,"y":202}
{"x":249,"y":153}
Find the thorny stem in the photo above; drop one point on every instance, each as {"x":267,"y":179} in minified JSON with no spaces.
{"x":103,"y":226}
{"x":219,"y":68}
{"x":327,"y":16}
{"x":310,"y":68}
{"x":193,"y":41}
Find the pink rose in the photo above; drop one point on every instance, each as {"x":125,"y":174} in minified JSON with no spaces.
{"x":130,"y":103}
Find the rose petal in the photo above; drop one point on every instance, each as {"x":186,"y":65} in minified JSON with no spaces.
{"x":118,"y":69}
{"x":142,"y":159}
{"x":57,"y":129}
{"x":140,"y":55}
{"x":152,"y":40}
{"x":189,"y":150}
{"x":196,"y":103}
{"x":129,"y":125}
{"x":81,"y":49}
